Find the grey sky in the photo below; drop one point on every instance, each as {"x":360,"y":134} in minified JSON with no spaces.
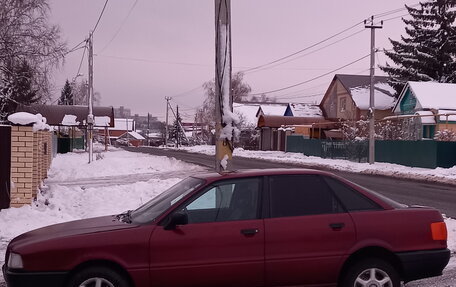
{"x":166,"y":47}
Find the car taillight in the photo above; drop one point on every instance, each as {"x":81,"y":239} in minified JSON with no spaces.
{"x":439,"y":231}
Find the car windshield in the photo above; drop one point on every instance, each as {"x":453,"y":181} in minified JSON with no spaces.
{"x":159,"y":204}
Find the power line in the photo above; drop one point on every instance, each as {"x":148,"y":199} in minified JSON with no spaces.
{"x":120,"y":27}
{"x":304,"y":49}
{"x":311,"y":52}
{"x":82,"y":59}
{"x":99,"y":18}
{"x":313,"y":79}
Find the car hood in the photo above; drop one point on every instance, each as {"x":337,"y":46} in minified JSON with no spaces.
{"x":72,"y":228}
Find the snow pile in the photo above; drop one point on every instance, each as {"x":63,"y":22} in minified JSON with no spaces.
{"x":443,"y":175}
{"x":103,"y":121}
{"x":24,"y":118}
{"x":75,"y":190}
{"x":69,"y":120}
{"x":117,"y":162}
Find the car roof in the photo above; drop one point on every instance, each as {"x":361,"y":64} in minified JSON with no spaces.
{"x":257,"y":172}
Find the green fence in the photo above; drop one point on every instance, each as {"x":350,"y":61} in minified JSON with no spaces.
{"x":426,"y":153}
{"x":65,"y":145}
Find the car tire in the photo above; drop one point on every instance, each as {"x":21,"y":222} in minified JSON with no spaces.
{"x":89,"y":277}
{"x":370,"y":272}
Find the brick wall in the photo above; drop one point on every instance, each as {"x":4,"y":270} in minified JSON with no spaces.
{"x":30,"y":161}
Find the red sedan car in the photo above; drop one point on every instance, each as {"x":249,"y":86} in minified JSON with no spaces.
{"x":249,"y":228}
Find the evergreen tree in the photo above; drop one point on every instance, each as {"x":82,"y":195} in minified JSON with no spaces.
{"x":428,"y":52}
{"x":176,"y":132}
{"x":16,"y":87}
{"x":66,"y":97}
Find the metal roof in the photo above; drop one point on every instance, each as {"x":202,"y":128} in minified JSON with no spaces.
{"x":54,"y":114}
{"x":278,"y":121}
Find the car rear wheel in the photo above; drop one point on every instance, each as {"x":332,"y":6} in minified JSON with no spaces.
{"x":98,"y":277}
{"x":371,"y":273}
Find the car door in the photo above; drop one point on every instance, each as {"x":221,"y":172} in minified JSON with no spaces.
{"x":222,"y":244}
{"x":307,"y":232}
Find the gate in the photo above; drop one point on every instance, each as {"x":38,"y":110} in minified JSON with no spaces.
{"x":5,"y":166}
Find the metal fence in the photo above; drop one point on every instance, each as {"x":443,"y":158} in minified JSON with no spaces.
{"x":423,"y":153}
{"x":5,"y":166}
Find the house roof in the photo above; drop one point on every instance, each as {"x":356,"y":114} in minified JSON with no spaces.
{"x":272,"y":109}
{"x":60,"y":115}
{"x":359,"y":88}
{"x":430,"y":95}
{"x":133,"y":134}
{"x":305,"y":110}
{"x":278,"y":121}
{"x":247,"y":112}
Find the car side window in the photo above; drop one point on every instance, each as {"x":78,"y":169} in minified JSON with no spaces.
{"x":226,"y":201}
{"x":298,"y":195}
{"x":350,"y":198}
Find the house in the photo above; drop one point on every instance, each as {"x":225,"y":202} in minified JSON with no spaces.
{"x":348,"y":97}
{"x":131,"y":138}
{"x":303,"y":110}
{"x":431,"y":105}
{"x":271,"y":109}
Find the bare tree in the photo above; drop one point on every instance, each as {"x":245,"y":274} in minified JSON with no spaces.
{"x":26,"y":35}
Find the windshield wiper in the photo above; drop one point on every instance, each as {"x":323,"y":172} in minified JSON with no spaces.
{"x":124,"y":217}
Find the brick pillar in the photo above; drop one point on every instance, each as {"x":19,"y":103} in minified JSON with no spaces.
{"x":36,"y":179}
{"x":21,"y":165}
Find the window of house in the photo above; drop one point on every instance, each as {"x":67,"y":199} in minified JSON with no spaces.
{"x":343,"y":104}
{"x":298,"y":195}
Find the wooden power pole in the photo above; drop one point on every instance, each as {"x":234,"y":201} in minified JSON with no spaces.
{"x":223,"y":98}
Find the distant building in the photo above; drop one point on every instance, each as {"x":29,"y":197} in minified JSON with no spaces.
{"x":122,"y":112}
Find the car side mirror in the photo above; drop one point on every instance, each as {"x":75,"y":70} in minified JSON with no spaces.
{"x":177,"y":218}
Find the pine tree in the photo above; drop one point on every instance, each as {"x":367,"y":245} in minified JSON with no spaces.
{"x":16,"y":87}
{"x":66,"y":97}
{"x":176,"y":132}
{"x":428,"y":52}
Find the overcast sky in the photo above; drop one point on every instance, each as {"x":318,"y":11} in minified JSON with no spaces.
{"x":146,"y":50}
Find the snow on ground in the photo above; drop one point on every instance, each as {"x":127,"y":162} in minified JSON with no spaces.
{"x":75,"y":189}
{"x":443,"y":175}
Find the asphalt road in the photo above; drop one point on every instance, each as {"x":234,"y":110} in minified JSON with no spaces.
{"x":411,"y":192}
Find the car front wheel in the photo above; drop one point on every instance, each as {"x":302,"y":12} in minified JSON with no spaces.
{"x":98,"y":277}
{"x":371,"y":272}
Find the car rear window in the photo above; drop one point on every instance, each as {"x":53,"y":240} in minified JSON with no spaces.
{"x":350,"y":198}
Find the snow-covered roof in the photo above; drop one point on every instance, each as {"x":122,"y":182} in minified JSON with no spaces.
{"x":273,"y":109}
{"x":121,"y":124}
{"x":247,"y":113}
{"x":451,"y":115}
{"x":428,"y":117}
{"x":305,"y":110}
{"x":136,"y":135}
{"x":432,"y":95}
{"x":382,"y":96}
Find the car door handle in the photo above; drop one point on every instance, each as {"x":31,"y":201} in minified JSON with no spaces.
{"x":337,"y":226}
{"x":249,"y":232}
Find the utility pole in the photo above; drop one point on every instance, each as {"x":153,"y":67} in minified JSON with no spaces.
{"x":166,"y":126}
{"x":148,"y":129}
{"x":223,"y":98}
{"x":90,"y":102}
{"x":369,"y":23}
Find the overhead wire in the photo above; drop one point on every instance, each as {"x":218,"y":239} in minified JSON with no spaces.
{"x":312,"y":79}
{"x":99,"y":17}
{"x":120,"y":27}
